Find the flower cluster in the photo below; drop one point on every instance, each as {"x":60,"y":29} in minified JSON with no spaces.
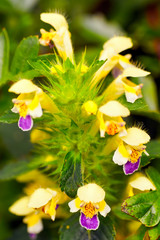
{"x":80,"y":103}
{"x":38,"y":203}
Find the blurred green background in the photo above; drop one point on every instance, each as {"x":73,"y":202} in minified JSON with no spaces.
{"x":91,"y":23}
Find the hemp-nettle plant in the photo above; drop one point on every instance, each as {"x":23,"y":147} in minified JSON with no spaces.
{"x":79,"y":118}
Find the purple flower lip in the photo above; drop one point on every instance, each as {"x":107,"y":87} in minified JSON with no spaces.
{"x":89,"y":223}
{"x":33,"y":236}
{"x":25,"y":124}
{"x":130,"y":168}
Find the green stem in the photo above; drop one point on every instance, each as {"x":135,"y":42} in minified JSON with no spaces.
{"x":89,"y":235}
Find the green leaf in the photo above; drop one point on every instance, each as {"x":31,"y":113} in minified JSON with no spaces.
{"x":4,"y":57}
{"x":72,"y":230}
{"x":139,"y":104}
{"x":154,"y":233}
{"x":153,"y":148}
{"x":154,"y":175}
{"x":71,"y":176}
{"x":145,"y":207}
{"x":9,"y":117}
{"x":140,"y":107}
{"x":43,"y":66}
{"x":26,"y":50}
{"x":12,"y":170}
{"x":118,"y":212}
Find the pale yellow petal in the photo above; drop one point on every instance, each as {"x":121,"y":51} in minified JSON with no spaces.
{"x":37,"y":228}
{"x":115,"y":45}
{"x":24,"y":86}
{"x":142,"y":183}
{"x":72,"y":204}
{"x":39,"y":198}
{"x":20,"y":207}
{"x":34,"y":223}
{"x":37,"y":112}
{"x":121,"y":155}
{"x":91,"y":193}
{"x":131,"y":97}
{"x":55,"y":19}
{"x":114,"y":109}
{"x":104,"y":208}
{"x":53,"y":192}
{"x":136,"y":136}
{"x":134,"y":72}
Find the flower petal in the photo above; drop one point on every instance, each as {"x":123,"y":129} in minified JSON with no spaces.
{"x":121,"y":155}
{"x":131,"y":97}
{"x":134,"y":72}
{"x":24,"y":86}
{"x":14,"y":109}
{"x":115,"y":45}
{"x":34,"y":223}
{"x":20,"y":207}
{"x":73,"y":205}
{"x":114,"y":109}
{"x":39,"y":198}
{"x":89,"y":223}
{"x":136,"y":136}
{"x":91,"y":193}
{"x":25,"y":123}
{"x":130,"y":168}
{"x":37,"y":112}
{"x":55,"y":19}
{"x":104,"y":208}
{"x":142,"y":183}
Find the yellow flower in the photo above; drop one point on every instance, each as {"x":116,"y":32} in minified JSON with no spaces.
{"x":122,"y":68}
{"x":139,"y":183}
{"x":42,"y":203}
{"x":33,"y":217}
{"x":110,"y":53}
{"x":130,"y":149}
{"x":122,"y":85}
{"x":113,"y":123}
{"x":90,"y":201}
{"x":60,"y":35}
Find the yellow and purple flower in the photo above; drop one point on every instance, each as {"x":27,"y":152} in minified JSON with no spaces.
{"x":90,"y":201}
{"x":27,"y":104}
{"x":130,"y":149}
